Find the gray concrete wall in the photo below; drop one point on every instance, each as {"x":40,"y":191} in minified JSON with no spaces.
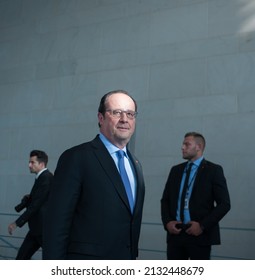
{"x":189,"y":63}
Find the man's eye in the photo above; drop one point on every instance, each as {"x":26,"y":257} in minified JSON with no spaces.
{"x":117,"y":112}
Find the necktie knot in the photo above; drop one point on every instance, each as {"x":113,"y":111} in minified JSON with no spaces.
{"x":121,"y":153}
{"x":189,"y":166}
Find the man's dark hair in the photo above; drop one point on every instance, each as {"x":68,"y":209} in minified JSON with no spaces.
{"x":102,"y":107}
{"x":41,"y":156}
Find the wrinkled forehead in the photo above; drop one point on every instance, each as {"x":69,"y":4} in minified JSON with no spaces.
{"x":120,"y":101}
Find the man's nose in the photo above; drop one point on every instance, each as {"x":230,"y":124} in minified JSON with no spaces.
{"x":123,"y":116}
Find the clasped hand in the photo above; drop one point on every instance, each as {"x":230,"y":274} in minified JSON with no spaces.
{"x":194,"y":228}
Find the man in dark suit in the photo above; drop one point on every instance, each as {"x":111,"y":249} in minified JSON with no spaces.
{"x":35,"y":206}
{"x":90,"y":214}
{"x":194,"y":200}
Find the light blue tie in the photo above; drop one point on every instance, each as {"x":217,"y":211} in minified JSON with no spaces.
{"x":124,"y":177}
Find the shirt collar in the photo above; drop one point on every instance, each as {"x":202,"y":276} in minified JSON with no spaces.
{"x":40,"y":172}
{"x":198,"y":161}
{"x":109,"y":146}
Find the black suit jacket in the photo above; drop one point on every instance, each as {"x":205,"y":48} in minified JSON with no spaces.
{"x":88,"y":211}
{"x":209,"y":201}
{"x":36,"y":204}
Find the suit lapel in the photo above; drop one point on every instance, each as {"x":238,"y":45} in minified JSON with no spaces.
{"x":139,"y":179}
{"x":35,"y":186}
{"x":199,"y":174}
{"x":110,"y":168}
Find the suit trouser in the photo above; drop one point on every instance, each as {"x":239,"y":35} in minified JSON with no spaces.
{"x":192,"y":252}
{"x":29,"y":246}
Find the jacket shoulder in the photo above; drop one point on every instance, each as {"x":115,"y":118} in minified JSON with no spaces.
{"x":210,"y":164}
{"x":96,"y":142}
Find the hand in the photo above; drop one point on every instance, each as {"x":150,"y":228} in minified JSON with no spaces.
{"x":11,"y":228}
{"x":195,"y":229}
{"x":171,"y":227}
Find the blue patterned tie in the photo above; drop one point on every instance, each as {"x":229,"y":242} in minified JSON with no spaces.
{"x":124,"y":177}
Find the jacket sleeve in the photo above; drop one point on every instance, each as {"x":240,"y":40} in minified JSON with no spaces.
{"x":167,"y":201}
{"x":64,"y":194}
{"x":38,"y":197}
{"x":220,"y":196}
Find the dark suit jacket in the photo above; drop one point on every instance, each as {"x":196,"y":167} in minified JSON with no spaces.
{"x":208,"y":204}
{"x":88,"y":211}
{"x":36,"y":204}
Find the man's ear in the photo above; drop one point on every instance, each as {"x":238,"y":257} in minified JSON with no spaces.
{"x":199,"y":147}
{"x":100,"y":118}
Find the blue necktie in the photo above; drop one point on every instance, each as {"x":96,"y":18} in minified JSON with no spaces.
{"x":124,"y":177}
{"x":185,"y":188}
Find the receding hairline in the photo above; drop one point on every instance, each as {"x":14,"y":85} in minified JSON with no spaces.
{"x":104,"y":99}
